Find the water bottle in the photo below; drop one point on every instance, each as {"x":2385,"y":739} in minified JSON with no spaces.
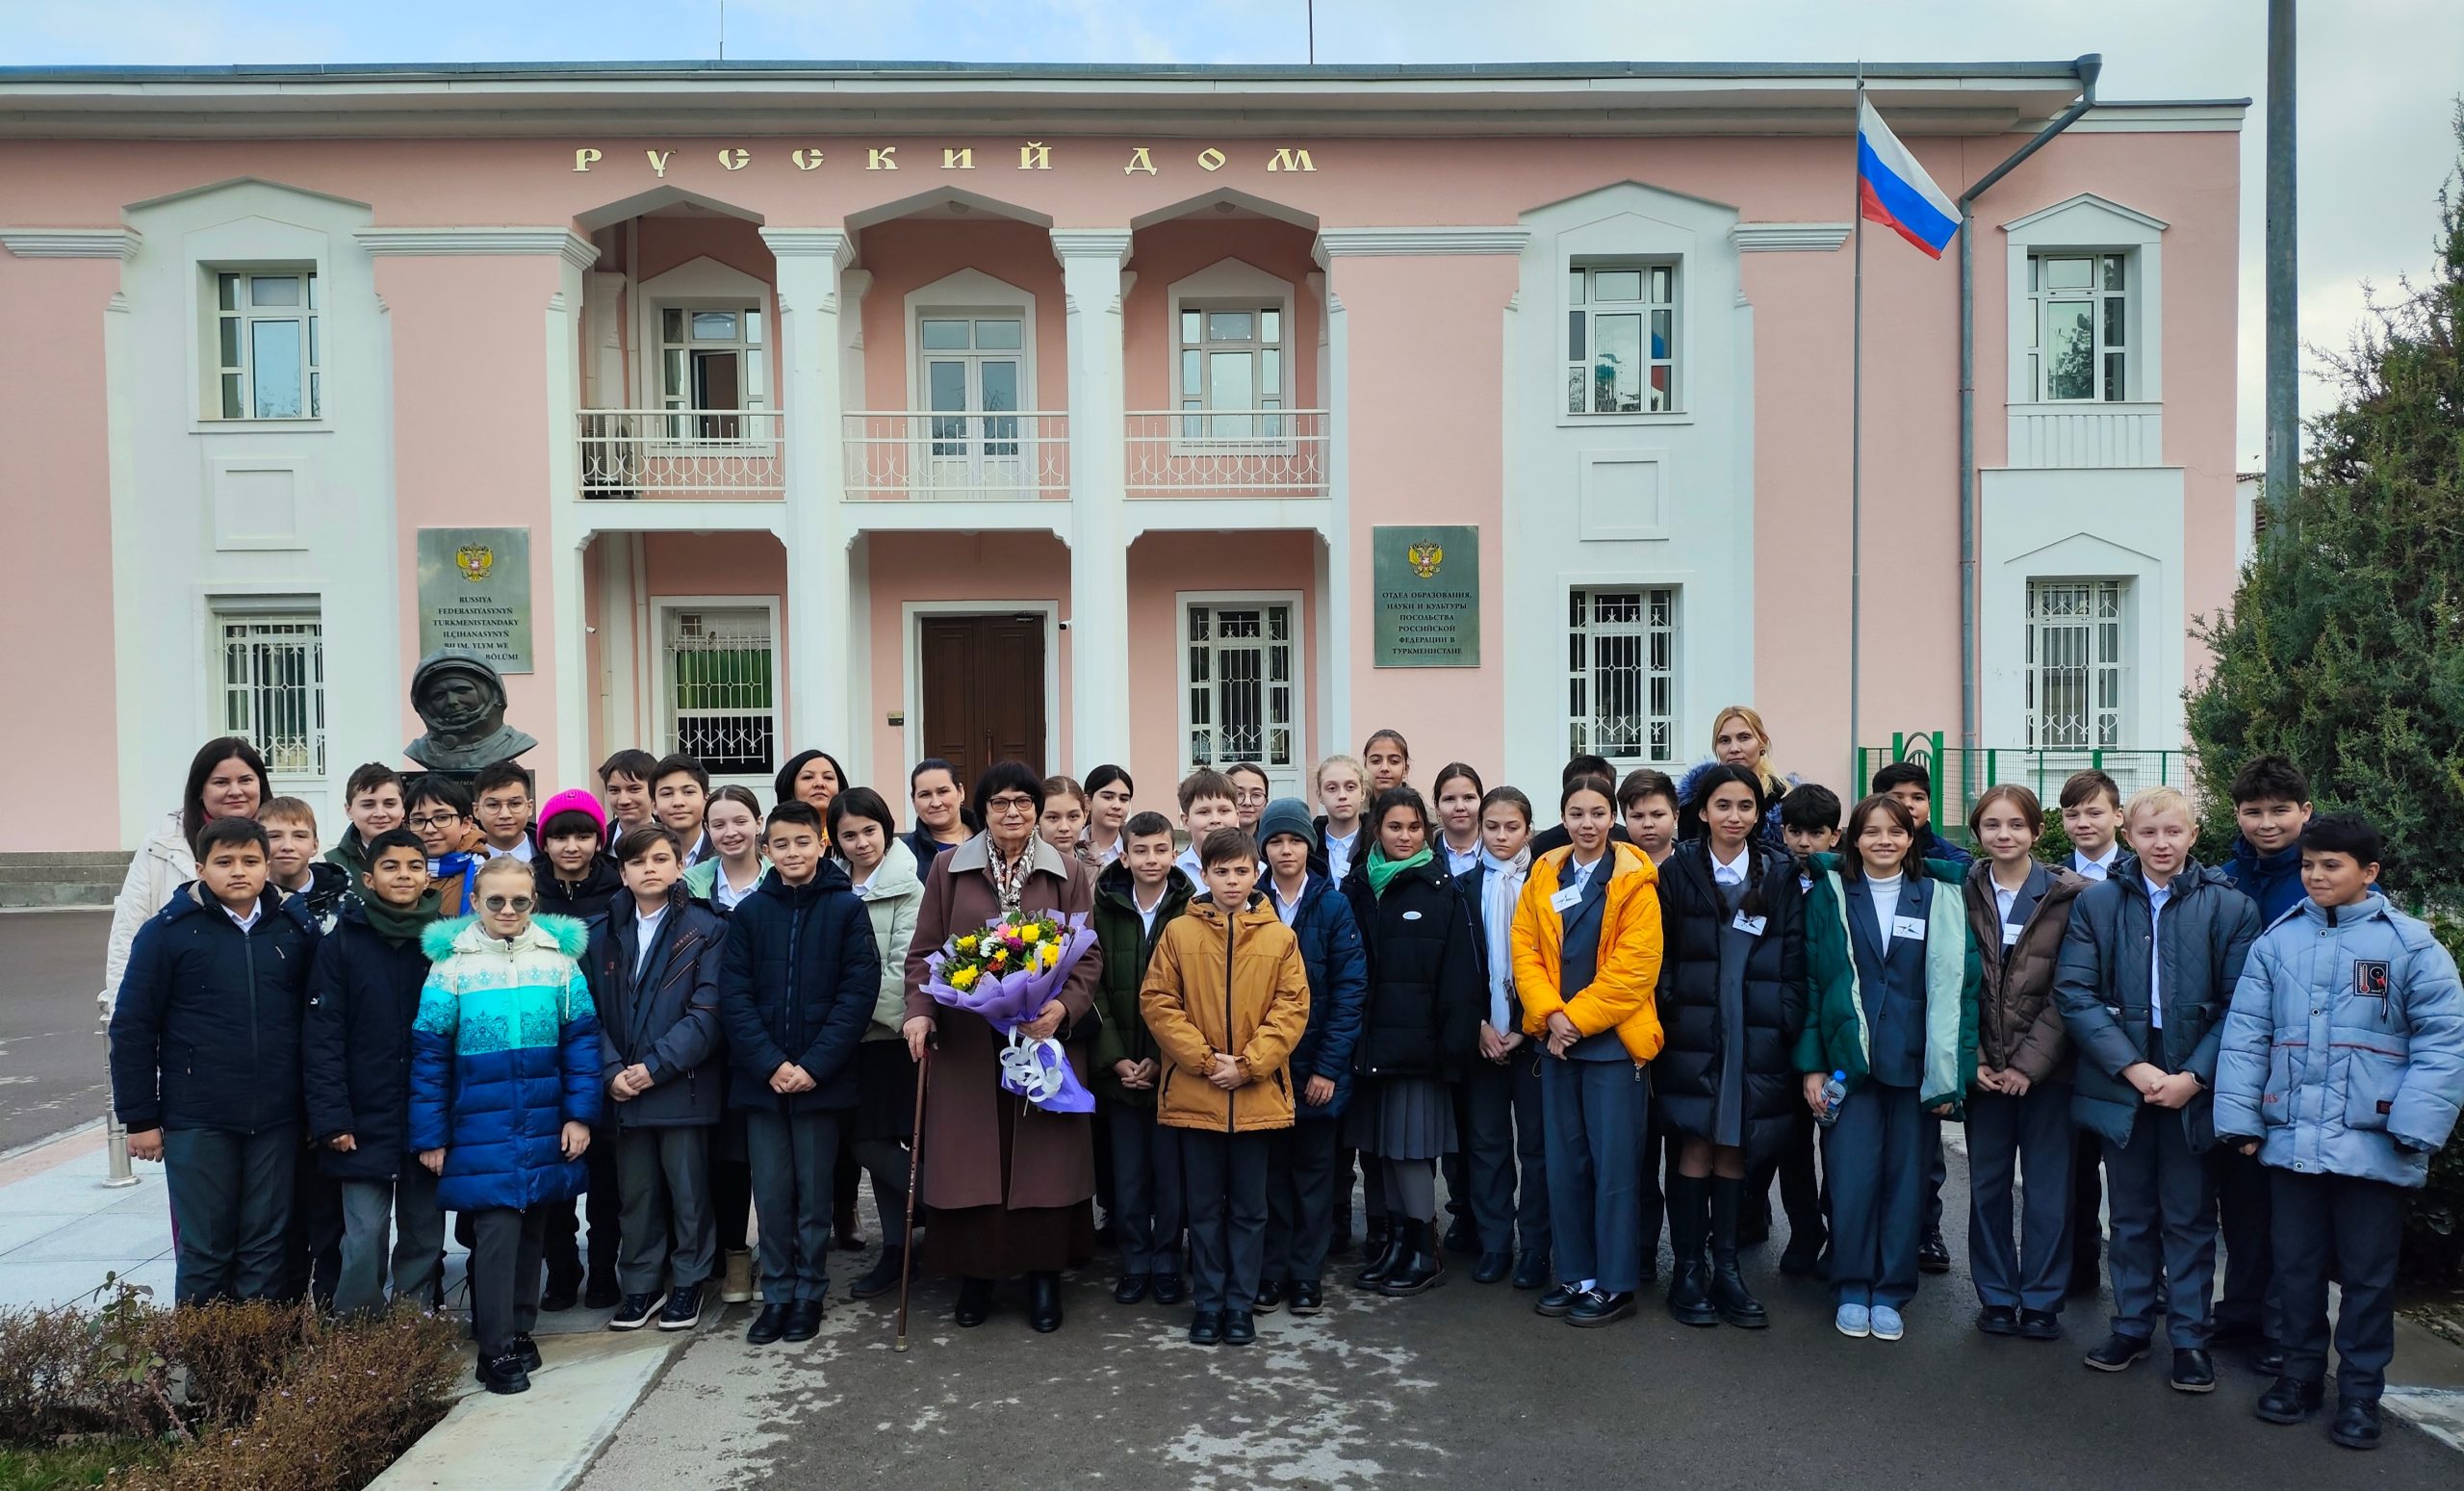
{"x":1834,"y":1092}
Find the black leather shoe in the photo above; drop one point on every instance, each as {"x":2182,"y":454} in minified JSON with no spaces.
{"x":804,"y":1321}
{"x":975,"y":1301}
{"x":1558,"y":1302}
{"x":602,"y":1293}
{"x":2269,"y":1360}
{"x":2118,"y":1353}
{"x":1531,"y":1271}
{"x":1381,"y":1250}
{"x":1598,"y":1308}
{"x":2291,"y":1400}
{"x":1804,"y":1249}
{"x":1307,"y":1297}
{"x":1240,"y":1328}
{"x":1999,"y":1319}
{"x":1269,"y":1297}
{"x":1043,"y":1302}
{"x":2357,"y":1426}
{"x":505,"y":1375}
{"x":1169,"y":1289}
{"x":1206,"y":1329}
{"x":1932,"y":1255}
{"x":768,"y":1325}
{"x":1461,"y":1237}
{"x":1131,"y":1289}
{"x":527,"y":1350}
{"x":1418,"y":1266}
{"x":883,"y":1279}
{"x":1492,"y":1268}
{"x":561,"y":1293}
{"x":2040,"y":1325}
{"x":2193,"y":1371}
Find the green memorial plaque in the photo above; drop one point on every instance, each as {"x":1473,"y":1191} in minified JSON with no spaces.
{"x":1428,"y":596}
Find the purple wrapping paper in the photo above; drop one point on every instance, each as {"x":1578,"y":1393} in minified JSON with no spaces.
{"x":1010,"y":1000}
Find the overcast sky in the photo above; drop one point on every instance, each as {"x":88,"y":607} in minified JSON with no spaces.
{"x":2377,"y":82}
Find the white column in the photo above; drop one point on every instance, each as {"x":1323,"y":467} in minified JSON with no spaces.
{"x":567,"y":534}
{"x":1335,"y":602}
{"x":1093,"y":278}
{"x":820,"y":672}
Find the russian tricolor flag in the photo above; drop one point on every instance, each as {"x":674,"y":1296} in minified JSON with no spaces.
{"x":1894,"y":191}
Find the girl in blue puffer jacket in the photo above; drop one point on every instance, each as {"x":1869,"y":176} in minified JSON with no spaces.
{"x":504,"y":1088}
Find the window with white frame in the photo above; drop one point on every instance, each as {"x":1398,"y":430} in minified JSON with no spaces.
{"x":2078,"y":326}
{"x":1621,"y":339}
{"x":1620,"y":673}
{"x":1233,"y":370}
{"x":265,"y":345}
{"x":713,"y":362}
{"x":719,"y":671}
{"x":273,"y":683}
{"x":1243,"y":694}
{"x":2076,"y":651}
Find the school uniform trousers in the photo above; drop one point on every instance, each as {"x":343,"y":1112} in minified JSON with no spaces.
{"x":2162,"y":1253}
{"x":1300,"y":1198}
{"x":506,"y":1249}
{"x":1799,"y":1176}
{"x":1595,"y":1111}
{"x":1504,"y":1155}
{"x":2353,"y":1228}
{"x":408,"y":1203}
{"x":793,"y":1157}
{"x":2008,"y":1137}
{"x":231,"y":1198}
{"x":1148,"y":1207}
{"x":2249,"y":1307}
{"x":1225,"y":1178}
{"x":668,"y":1228}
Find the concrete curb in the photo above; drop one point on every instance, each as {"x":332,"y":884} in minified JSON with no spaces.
{"x":545,"y":1439}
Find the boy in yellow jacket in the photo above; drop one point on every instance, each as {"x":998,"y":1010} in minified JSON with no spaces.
{"x":1226,"y":997}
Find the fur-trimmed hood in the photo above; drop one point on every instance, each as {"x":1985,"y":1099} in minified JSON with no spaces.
{"x":464,"y":934}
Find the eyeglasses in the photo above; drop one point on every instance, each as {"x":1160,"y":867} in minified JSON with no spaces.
{"x":1254,"y":796}
{"x":1012,"y":806}
{"x":436,"y":820}
{"x":503,"y":902}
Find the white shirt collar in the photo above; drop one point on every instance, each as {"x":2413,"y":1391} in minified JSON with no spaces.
{"x":256,"y":912}
{"x":1731,"y":872}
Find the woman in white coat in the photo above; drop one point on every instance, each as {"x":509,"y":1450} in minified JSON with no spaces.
{"x":864,"y":839}
{"x":226,"y":780}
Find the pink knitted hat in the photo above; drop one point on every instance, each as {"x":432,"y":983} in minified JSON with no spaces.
{"x":571,"y":800}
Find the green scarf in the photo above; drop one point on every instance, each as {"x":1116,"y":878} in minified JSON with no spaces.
{"x":395,"y":925}
{"x":1382,"y":871}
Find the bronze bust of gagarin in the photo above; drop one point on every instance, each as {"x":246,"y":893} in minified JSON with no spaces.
{"x":460,"y":697}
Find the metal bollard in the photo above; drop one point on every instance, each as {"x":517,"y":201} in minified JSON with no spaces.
{"x":115,"y":1146}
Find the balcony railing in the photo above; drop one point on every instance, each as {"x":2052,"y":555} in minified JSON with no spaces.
{"x":921,"y":456}
{"x":1228,"y":452}
{"x":699,"y":454}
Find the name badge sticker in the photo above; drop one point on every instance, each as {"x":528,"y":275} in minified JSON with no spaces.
{"x":1751,"y":926}
{"x":1911,"y":928}
{"x":2010,"y":934}
{"x":1565,"y":900}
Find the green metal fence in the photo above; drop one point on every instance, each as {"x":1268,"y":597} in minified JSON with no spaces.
{"x":1959,"y":773}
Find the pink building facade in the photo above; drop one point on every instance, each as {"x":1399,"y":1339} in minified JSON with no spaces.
{"x":1068,"y":413}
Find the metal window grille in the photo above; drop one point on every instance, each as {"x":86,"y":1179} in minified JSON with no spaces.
{"x":1621,"y":674}
{"x":2074,"y":684}
{"x":1240,"y":706}
{"x":2078,"y":327}
{"x":1621,"y":339}
{"x":274,"y":689}
{"x":266,"y":346}
{"x":722,"y":689}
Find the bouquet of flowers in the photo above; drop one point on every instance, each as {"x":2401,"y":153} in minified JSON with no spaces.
{"x":1007,"y":972}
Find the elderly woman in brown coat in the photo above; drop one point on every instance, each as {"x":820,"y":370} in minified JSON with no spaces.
{"x":1007,"y":1188}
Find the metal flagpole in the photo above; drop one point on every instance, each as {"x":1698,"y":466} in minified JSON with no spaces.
{"x":1856,"y":449}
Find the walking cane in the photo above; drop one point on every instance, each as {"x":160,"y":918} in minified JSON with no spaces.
{"x":914,"y":1164}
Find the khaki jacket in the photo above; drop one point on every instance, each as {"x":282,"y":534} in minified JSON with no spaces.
{"x":1218,"y":984}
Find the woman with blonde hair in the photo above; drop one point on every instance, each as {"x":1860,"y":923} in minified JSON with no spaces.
{"x":1738,"y":738}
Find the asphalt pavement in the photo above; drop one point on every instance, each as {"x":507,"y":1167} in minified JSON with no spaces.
{"x":1463,"y":1386}
{"x":53,"y":1072}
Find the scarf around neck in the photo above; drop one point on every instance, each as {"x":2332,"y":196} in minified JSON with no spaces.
{"x":1382,"y":871}
{"x":394,"y":924}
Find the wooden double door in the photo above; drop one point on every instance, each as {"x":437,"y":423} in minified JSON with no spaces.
{"x":981,"y":680}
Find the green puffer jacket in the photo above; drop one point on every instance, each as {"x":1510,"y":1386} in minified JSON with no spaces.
{"x":1837,"y":1037}
{"x":1122,"y":1036}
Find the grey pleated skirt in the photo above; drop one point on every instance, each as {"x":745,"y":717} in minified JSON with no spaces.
{"x":1401,"y":1119}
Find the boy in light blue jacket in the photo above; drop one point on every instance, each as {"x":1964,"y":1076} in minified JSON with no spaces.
{"x":2342,"y":1068}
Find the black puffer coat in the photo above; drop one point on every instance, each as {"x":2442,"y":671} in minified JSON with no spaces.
{"x":1426,"y":991}
{"x":1685,"y":1077}
{"x":355,"y":1046}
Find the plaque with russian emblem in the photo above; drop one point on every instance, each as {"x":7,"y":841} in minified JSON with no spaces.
{"x":1428,"y":596}
{"x":475,"y":594}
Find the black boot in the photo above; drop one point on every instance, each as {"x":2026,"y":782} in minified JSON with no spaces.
{"x":975,"y":1301}
{"x":1735,"y":1303}
{"x":1417,"y":1264}
{"x":1043,"y":1302}
{"x":1381,"y":1245}
{"x":1689,"y":1297}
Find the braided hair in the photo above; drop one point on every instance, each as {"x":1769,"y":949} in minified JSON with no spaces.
{"x":1712,"y":779}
